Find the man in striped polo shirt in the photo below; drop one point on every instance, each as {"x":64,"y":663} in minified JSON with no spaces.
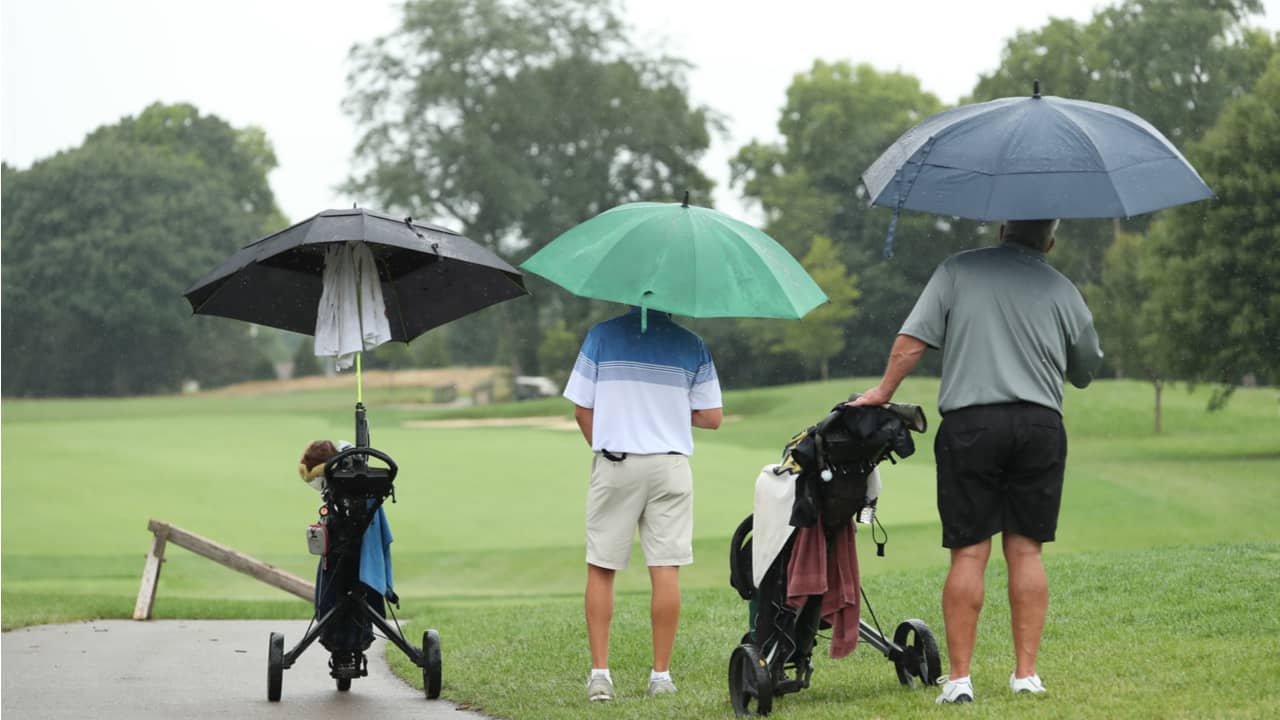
{"x":639,"y":386}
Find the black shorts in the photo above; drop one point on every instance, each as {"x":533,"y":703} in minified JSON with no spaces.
{"x":999,"y":470}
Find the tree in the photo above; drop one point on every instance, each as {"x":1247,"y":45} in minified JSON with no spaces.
{"x":101,"y":241}
{"x":837,"y":120}
{"x":558,"y":351}
{"x":1175,"y":63}
{"x":819,"y":336}
{"x":1212,"y":267}
{"x":515,"y":121}
{"x":1116,"y":302}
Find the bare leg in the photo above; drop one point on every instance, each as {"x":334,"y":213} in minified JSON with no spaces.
{"x":599,"y":604}
{"x":1028,"y":599}
{"x":664,"y":613}
{"x":962,"y":598}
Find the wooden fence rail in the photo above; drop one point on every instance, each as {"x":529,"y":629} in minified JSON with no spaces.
{"x":163,"y":533}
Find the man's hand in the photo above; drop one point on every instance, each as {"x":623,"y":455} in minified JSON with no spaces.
{"x":874,"y":396}
{"x":707,"y":419}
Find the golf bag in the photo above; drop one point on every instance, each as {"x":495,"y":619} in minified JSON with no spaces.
{"x":828,"y":474}
{"x":346,"y":609}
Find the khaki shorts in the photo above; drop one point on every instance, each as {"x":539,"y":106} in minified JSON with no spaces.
{"x":651,"y":492}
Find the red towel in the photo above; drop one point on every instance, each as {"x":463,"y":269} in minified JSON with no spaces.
{"x":809,"y":573}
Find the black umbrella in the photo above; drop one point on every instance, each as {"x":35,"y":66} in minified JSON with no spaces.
{"x":429,"y":275}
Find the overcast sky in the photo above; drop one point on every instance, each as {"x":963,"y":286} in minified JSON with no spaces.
{"x":70,"y":66}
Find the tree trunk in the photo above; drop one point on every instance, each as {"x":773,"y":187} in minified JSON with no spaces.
{"x":824,"y":369}
{"x":1159,"y":386}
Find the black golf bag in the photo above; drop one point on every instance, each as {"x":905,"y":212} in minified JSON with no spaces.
{"x":346,"y":609}
{"x":830,"y":463}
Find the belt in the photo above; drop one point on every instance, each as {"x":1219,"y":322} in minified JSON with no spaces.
{"x":619,"y":457}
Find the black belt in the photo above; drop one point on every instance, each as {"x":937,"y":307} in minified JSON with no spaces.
{"x":619,"y":457}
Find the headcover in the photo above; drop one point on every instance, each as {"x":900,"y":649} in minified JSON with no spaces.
{"x":847,"y":444}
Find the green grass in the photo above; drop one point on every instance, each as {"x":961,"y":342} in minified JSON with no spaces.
{"x":1186,"y":632}
{"x":489,"y":531}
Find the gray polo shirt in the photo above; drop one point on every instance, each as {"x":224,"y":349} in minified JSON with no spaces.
{"x":1010,"y":327}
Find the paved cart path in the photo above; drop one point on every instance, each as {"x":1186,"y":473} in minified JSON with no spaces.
{"x":165,"y":669}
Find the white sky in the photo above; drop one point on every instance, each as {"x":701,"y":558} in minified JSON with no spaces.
{"x":70,"y":66}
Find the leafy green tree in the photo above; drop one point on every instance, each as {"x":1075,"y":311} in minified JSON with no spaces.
{"x":819,"y":336}
{"x":1116,"y":302}
{"x":1212,"y":267}
{"x":1175,"y":63}
{"x":837,"y":120}
{"x":514,"y":121}
{"x":101,"y":241}
{"x":558,"y":351}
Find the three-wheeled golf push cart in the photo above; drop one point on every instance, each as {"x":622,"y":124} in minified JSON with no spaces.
{"x":827,"y":479}
{"x":346,"y":609}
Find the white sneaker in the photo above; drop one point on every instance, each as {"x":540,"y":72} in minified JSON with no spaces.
{"x":599,"y":689}
{"x":1030,"y":684}
{"x":661,"y":686}
{"x":955,"y":691}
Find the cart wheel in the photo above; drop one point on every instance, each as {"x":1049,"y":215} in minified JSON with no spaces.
{"x":749,"y":679}
{"x":920,"y":653}
{"x":275,"y":666}
{"x":431,"y":664}
{"x":344,"y":684}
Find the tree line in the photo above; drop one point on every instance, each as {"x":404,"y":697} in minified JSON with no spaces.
{"x":512,"y":122}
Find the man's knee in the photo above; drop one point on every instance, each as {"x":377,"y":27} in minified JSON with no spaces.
{"x":976,"y":553}
{"x":1019,"y":547}
{"x":600,"y":574}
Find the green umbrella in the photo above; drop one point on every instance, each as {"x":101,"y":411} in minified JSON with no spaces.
{"x":682,"y":259}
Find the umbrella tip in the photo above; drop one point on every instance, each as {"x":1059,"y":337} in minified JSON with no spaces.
{"x":686,"y":199}
{"x":1035,"y":88}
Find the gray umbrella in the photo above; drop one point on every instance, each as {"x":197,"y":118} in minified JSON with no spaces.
{"x":429,"y":275}
{"x":1031,"y":158}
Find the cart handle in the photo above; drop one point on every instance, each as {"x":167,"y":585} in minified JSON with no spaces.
{"x":332,"y":464}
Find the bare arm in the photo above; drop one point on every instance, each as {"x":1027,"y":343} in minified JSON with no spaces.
{"x":585,"y":417}
{"x":903,"y":358}
{"x":708,"y":419}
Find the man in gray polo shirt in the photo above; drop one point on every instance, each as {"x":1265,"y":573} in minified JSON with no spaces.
{"x":1010,"y":328}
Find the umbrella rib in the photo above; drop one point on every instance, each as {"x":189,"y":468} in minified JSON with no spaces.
{"x":1093,"y":143}
{"x":758,"y":257}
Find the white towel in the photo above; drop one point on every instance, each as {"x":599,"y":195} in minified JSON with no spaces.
{"x":771,"y":527}
{"x":351,"y":316}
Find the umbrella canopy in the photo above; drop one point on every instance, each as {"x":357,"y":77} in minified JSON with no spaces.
{"x":682,"y":259}
{"x":1031,"y":158}
{"x":428,"y":275}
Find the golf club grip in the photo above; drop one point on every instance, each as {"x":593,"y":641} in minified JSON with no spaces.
{"x":366,"y":451}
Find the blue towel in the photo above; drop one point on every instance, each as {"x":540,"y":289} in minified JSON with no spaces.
{"x":375,"y":555}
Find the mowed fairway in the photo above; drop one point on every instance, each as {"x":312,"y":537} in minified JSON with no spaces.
{"x":488,"y":536}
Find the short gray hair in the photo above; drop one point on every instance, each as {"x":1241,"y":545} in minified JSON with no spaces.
{"x":1034,"y":234}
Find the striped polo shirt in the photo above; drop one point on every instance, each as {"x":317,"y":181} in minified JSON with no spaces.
{"x":643,"y":386}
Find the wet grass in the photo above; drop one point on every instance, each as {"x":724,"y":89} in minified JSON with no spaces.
{"x":489,"y":542}
{"x":1185,"y":632}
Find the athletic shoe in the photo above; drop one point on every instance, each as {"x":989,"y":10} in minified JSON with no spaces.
{"x":958,"y":691}
{"x":599,"y":689}
{"x":1030,"y":684}
{"x":661,"y":686}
